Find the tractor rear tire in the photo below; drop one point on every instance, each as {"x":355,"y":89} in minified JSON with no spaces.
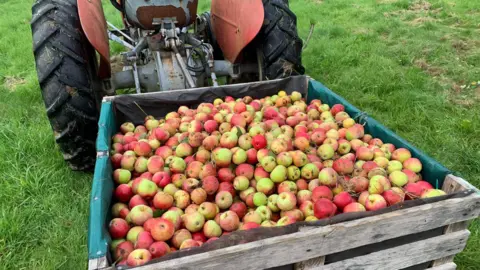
{"x":281,"y":46}
{"x":66,"y":67}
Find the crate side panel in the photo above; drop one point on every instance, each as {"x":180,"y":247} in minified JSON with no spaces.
{"x":100,"y":199}
{"x":407,"y":255}
{"x":321,"y":241}
{"x":391,"y":243}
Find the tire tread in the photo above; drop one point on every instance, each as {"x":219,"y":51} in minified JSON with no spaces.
{"x":63,"y":58}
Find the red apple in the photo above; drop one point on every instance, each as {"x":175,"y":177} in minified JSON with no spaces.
{"x":322,"y":192}
{"x":189,"y":243}
{"x":249,"y":226}
{"x":118,"y":228}
{"x":180,"y":236}
{"x":210,"y":184}
{"x":227,"y":186}
{"x":144,"y":240}
{"x":138,"y":257}
{"x":162,"y":230}
{"x":259,"y":141}
{"x":354,"y":207}
{"x":159,"y":249}
{"x":239,"y":208}
{"x":394,"y":195}
{"x":375,"y":202}
{"x":163,"y":200}
{"x":342,"y":199}
{"x":324,"y":208}
{"x":123,"y":250}
{"x":229,"y":221}
{"x":123,"y":193}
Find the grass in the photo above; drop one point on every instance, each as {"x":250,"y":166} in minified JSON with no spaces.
{"x":409,"y":64}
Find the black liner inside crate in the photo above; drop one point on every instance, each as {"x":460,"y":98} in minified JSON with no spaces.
{"x":132,"y":108}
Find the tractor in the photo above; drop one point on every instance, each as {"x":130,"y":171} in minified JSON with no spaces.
{"x":168,"y":47}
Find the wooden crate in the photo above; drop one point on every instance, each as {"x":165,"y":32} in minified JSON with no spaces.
{"x":420,"y":237}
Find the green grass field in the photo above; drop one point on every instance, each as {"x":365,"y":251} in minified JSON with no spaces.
{"x":409,"y":64}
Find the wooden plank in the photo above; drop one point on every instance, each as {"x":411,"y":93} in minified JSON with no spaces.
{"x":305,"y":245}
{"x":390,"y":243}
{"x":406,"y":255}
{"x":311,"y":263}
{"x":453,"y":184}
{"x":446,"y":266}
{"x":98,"y":263}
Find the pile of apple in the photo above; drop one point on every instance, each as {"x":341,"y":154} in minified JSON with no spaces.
{"x":239,"y":164}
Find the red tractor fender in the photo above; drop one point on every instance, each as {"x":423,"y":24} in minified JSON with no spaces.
{"x":235,"y":24}
{"x":94,"y":25}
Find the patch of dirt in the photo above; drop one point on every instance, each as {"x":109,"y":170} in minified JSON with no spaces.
{"x":116,"y":63}
{"x":431,"y":70}
{"x":317,"y":1}
{"x":422,"y":9}
{"x":456,"y":88}
{"x":72,"y":91}
{"x":446,"y":37}
{"x":420,"y":6}
{"x":460,"y":45}
{"x":464,"y":95}
{"x":421,"y":20}
{"x":463,"y":102}
{"x":11,"y":82}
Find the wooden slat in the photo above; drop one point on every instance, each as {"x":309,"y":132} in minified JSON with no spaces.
{"x":406,"y":255}
{"x":446,"y":266}
{"x":98,"y":263}
{"x":452,"y":184}
{"x":305,"y":245}
{"x":311,"y":263}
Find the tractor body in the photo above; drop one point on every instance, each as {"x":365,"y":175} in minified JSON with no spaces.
{"x":170,"y":47}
